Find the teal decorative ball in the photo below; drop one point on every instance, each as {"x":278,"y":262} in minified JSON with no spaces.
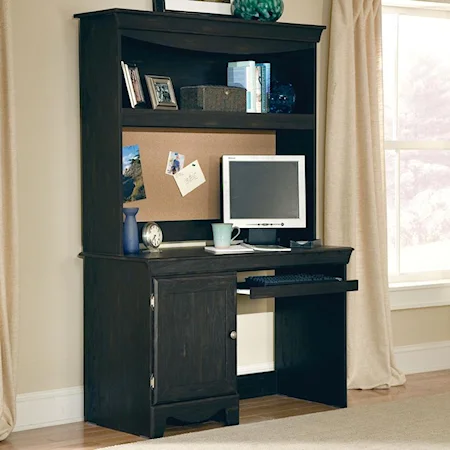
{"x":262,"y":10}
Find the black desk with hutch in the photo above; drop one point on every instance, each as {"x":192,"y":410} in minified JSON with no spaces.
{"x":160,"y":328}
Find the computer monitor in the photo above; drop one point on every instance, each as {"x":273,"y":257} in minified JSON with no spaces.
{"x":264,"y":191}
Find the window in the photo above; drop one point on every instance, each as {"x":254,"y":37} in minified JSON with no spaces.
{"x":416,"y":66}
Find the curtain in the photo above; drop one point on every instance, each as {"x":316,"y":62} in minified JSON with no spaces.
{"x":8,"y":234}
{"x":354,"y":186}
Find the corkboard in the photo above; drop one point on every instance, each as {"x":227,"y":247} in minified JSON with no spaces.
{"x":164,"y":201}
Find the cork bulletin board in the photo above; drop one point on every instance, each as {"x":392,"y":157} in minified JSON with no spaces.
{"x":163,"y":200}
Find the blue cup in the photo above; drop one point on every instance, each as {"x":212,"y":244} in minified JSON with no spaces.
{"x":222,"y":234}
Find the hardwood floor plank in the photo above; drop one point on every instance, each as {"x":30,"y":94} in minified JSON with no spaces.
{"x":87,"y":436}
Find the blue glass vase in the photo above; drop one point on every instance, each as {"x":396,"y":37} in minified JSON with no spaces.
{"x":261,"y":10}
{"x":282,"y":98}
{"x":130,"y":231}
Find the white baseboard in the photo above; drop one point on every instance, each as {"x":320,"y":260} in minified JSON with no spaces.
{"x":61,"y":406}
{"x":48,"y":408}
{"x":420,"y":358}
{"x":256,"y":368}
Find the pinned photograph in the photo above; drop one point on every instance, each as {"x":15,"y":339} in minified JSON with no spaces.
{"x":175,"y":162}
{"x":132,"y":179}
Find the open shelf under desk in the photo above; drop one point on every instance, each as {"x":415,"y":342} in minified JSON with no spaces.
{"x":215,"y":120}
{"x":299,"y":289}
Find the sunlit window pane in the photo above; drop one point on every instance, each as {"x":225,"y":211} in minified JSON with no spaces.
{"x":423,"y":78}
{"x":424,"y":211}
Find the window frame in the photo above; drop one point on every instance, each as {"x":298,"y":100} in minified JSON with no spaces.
{"x":398,"y":279}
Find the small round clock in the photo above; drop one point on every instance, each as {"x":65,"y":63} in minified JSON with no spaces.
{"x":152,"y":236}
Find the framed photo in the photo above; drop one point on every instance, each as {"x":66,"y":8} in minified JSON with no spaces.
{"x":199,"y":6}
{"x":133,"y":84}
{"x":161,"y":92}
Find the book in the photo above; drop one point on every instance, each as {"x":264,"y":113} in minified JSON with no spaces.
{"x":127,"y":78}
{"x":133,"y":84}
{"x":136,"y":84}
{"x":243,"y":74}
{"x":264,"y":70}
{"x":259,"y":75}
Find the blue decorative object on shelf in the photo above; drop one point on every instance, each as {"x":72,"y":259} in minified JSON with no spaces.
{"x":282,"y":98}
{"x":130,"y":231}
{"x":262,"y":10}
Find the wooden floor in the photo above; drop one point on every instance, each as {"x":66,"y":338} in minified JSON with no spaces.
{"x":81,"y":436}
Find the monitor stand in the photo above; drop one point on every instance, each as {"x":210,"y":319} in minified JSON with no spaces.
{"x":257,"y":236}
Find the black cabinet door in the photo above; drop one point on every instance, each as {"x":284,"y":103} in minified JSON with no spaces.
{"x":194,"y":348}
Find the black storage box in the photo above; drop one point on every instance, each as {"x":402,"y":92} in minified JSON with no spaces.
{"x":214,"y":98}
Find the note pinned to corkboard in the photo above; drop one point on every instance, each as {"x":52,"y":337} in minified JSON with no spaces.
{"x":164,"y":201}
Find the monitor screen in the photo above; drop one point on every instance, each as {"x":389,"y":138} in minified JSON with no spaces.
{"x":264,"y":191}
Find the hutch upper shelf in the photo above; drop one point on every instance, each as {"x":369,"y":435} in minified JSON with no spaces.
{"x":191,"y":49}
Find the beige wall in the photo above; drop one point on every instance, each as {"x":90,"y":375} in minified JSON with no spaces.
{"x":45,"y":50}
{"x":45,"y":43}
{"x":419,"y":326}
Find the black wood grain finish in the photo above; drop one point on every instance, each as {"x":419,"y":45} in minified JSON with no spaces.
{"x":101,"y":135}
{"x":209,"y":24}
{"x":304,"y":289}
{"x":159,"y":5}
{"x":117,"y":332}
{"x":217,"y":120}
{"x":201,"y":361}
{"x":310,"y":348}
{"x":192,"y":49}
{"x":257,"y":384}
{"x":216,"y":44}
{"x":328,"y":260}
{"x":224,"y":407}
{"x":196,"y":260}
{"x":157,"y":326}
{"x":193,"y":230}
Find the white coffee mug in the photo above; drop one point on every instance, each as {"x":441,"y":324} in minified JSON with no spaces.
{"x":222,"y":234}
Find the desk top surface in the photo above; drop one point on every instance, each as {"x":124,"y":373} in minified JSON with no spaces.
{"x":177,"y":261}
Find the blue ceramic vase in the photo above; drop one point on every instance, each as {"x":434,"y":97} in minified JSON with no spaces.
{"x":282,"y":98}
{"x":261,"y":10}
{"x":130,"y":231}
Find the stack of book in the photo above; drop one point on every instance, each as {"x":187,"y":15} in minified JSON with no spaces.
{"x":255,"y":78}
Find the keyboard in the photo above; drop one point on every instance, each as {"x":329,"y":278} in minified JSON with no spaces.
{"x":276,"y":280}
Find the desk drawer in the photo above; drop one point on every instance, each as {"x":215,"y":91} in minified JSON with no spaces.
{"x":295,"y":290}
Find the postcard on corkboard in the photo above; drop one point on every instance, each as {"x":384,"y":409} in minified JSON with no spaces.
{"x":132,"y":179}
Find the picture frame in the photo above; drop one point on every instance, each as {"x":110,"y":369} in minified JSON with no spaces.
{"x":222,"y":7}
{"x":162,"y":94}
{"x":133,"y":84}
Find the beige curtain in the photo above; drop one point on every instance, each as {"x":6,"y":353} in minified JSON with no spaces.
{"x":354,"y":186}
{"x":8,"y":234}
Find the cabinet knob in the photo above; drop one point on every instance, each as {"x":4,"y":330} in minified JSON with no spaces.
{"x":233,"y":335}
